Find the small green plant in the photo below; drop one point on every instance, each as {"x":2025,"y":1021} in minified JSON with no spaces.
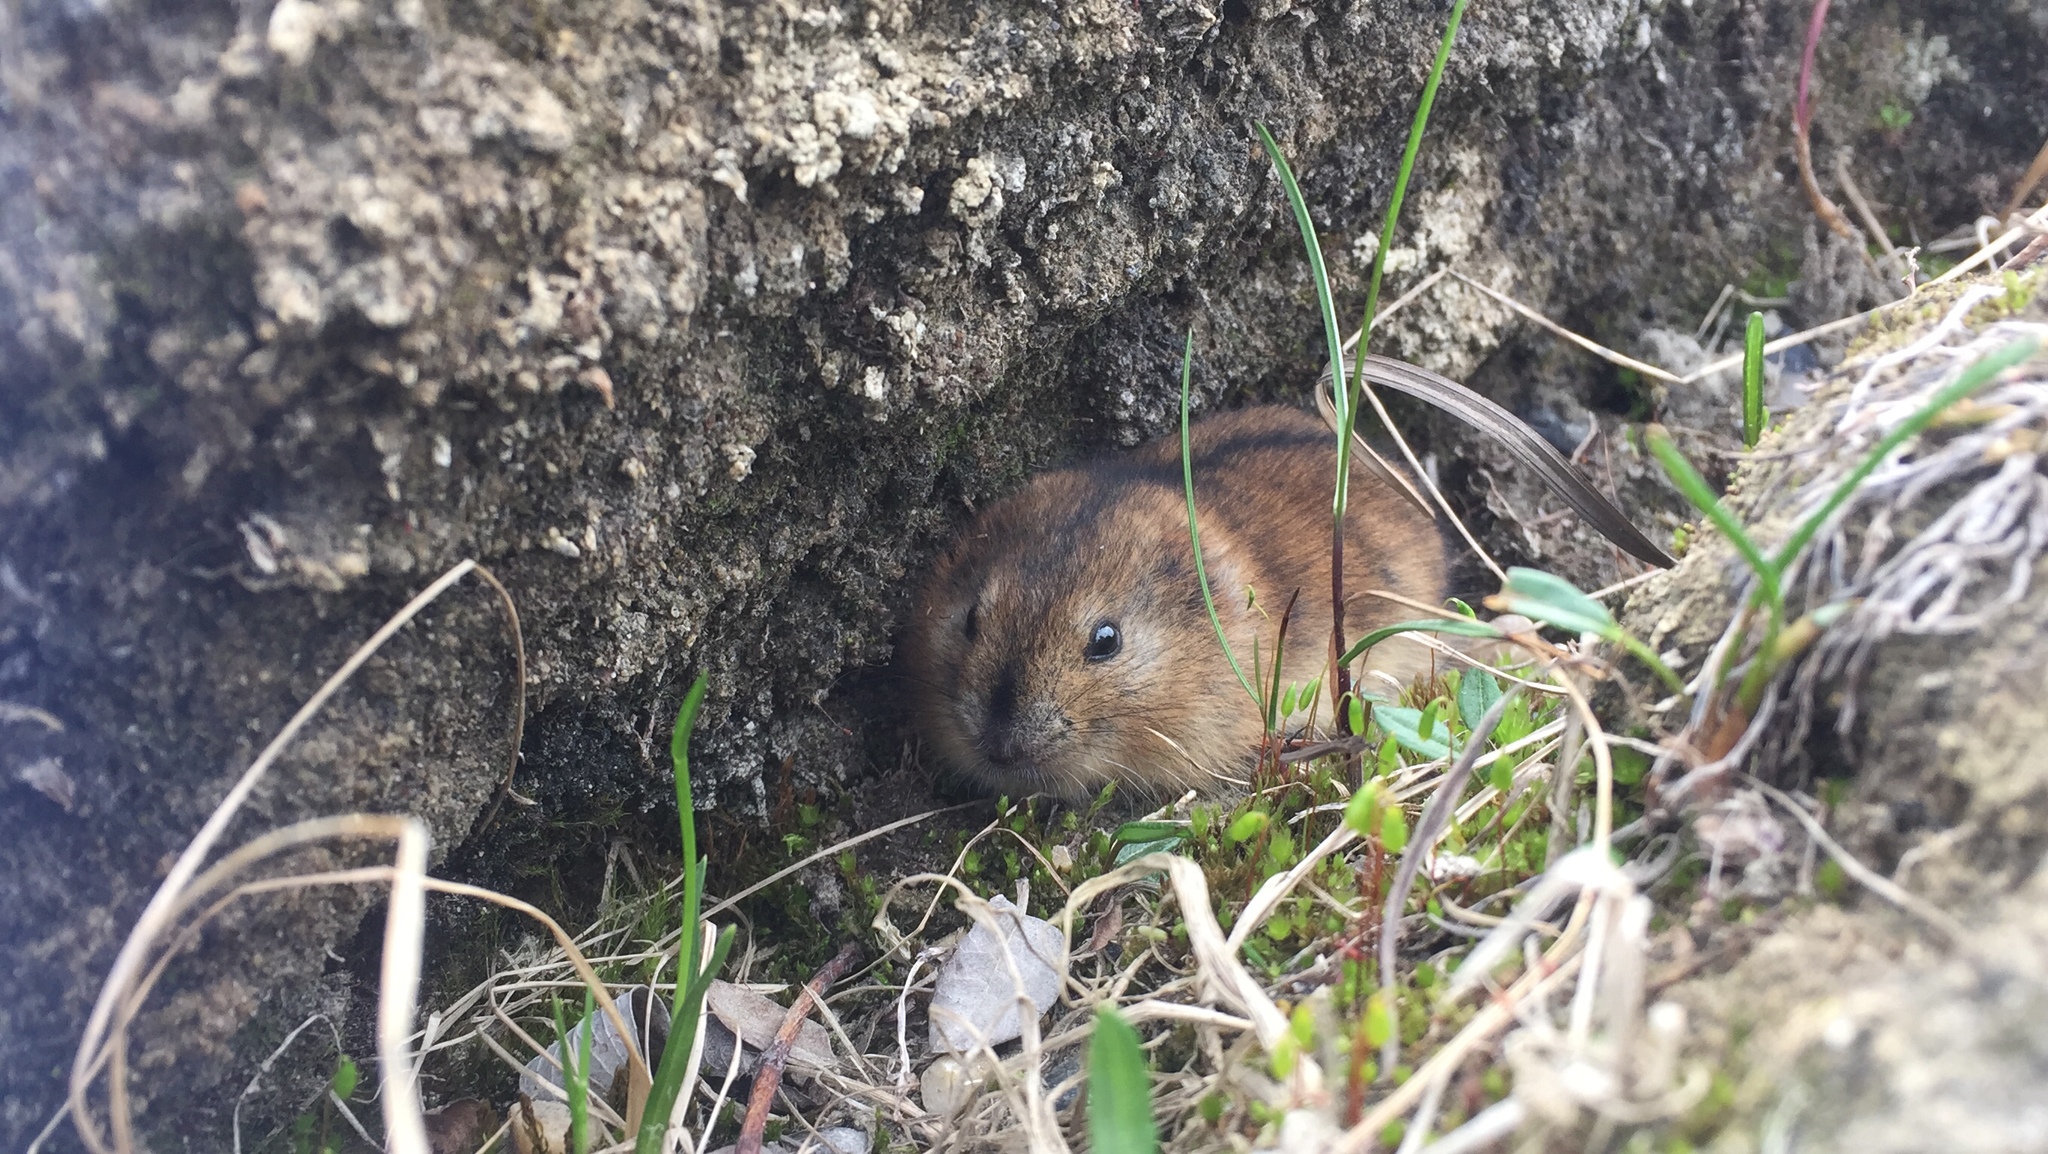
{"x":1347,"y":396}
{"x":692,"y":978}
{"x":1553,"y":600}
{"x":310,"y":1131}
{"x":1753,"y":415}
{"x":1894,"y":117}
{"x":1119,"y":1088}
{"x":576,"y":1070}
{"x":1770,"y":570}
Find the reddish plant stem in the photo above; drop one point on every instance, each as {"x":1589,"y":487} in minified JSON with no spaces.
{"x":1802,"y":121}
{"x":768,"y":1078}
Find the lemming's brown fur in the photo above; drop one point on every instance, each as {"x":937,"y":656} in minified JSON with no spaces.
{"x":1002,"y":689}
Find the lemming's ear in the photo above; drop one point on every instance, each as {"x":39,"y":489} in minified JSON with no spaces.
{"x":1523,"y":443}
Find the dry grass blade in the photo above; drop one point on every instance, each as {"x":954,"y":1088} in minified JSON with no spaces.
{"x":1222,"y":976}
{"x":2035,"y":174}
{"x":1591,"y":346}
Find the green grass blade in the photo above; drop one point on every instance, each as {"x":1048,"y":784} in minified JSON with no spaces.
{"x":1187,"y":465}
{"x":579,"y":1090}
{"x":1702,"y":496}
{"x":690,"y":981}
{"x":1119,"y":1088}
{"x":1317,"y":270}
{"x":1753,"y":381}
{"x":1340,"y":396}
{"x":1408,"y":154}
{"x":1458,"y":626}
{"x":1972,"y":379}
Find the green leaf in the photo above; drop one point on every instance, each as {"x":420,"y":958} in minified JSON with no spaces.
{"x":1354,"y":712}
{"x":1477,"y":691}
{"x":1362,"y":812}
{"x":1753,"y":414}
{"x":1246,"y":827}
{"x":1394,"y":830}
{"x":1702,"y":496}
{"x":692,"y":982}
{"x":1629,"y":765}
{"x":343,"y":1083}
{"x":1404,"y":725}
{"x":1501,"y":775}
{"x":1551,"y":599}
{"x":1119,"y":1088}
{"x":1143,"y":831}
{"x":1379,"y":1020}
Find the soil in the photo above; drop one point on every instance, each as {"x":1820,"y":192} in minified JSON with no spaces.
{"x":703,"y":326}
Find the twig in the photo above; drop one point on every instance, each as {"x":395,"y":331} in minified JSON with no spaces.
{"x":1862,"y":206}
{"x":1597,"y":349}
{"x":769,"y":1076}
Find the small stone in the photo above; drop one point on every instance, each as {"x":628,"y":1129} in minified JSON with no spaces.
{"x":975,"y":1000}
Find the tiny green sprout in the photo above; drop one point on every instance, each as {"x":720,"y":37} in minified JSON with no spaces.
{"x":1379,"y":1020}
{"x":1302,"y":1024}
{"x":1393,"y":1132}
{"x":1753,"y":415}
{"x":1389,"y":757}
{"x":1501,"y":775}
{"x":1279,"y":928}
{"x":1287,"y":701}
{"x":1425,"y":976}
{"x":1286,"y":1054}
{"x":1280,"y":849}
{"x":1200,"y":820}
{"x":1355,"y":712}
{"x":1246,"y":827}
{"x":343,"y":1083}
{"x":1361,"y":813}
{"x":1829,"y":879}
{"x":1211,"y":1108}
{"x":1102,"y":799}
{"x":1393,"y":830}
{"x":1460,"y":608}
{"x":1895,"y":117}
{"x":1264,"y":1114}
{"x":1630,"y":765}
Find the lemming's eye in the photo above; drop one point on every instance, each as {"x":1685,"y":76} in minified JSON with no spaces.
{"x":1103,"y":643}
{"x":973,"y":620}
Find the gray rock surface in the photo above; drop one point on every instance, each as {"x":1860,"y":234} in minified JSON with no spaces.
{"x":702,"y":326}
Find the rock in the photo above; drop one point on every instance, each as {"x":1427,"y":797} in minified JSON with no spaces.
{"x":974,"y":1000}
{"x":240,"y":249}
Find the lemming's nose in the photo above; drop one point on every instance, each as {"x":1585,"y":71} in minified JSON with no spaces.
{"x":1002,"y":699}
{"x":1000,"y":737}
